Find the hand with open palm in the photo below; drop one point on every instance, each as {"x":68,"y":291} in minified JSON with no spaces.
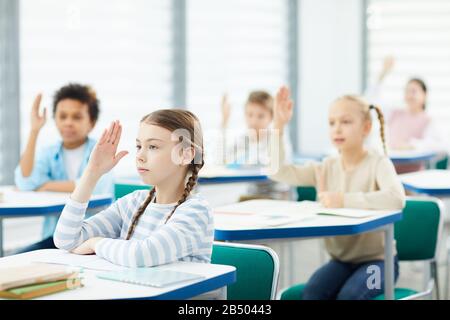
{"x":104,"y":157}
{"x":283,"y":108}
{"x":37,"y":120}
{"x":388,"y":65}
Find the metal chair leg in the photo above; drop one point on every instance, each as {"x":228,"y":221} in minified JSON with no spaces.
{"x":447,"y":275}
{"x":435,"y":275}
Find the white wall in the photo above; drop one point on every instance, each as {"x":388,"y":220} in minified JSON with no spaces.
{"x":330,"y":64}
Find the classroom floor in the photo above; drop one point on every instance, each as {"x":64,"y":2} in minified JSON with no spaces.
{"x":308,"y":255}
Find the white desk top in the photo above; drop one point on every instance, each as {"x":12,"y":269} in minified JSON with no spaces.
{"x":427,"y":180}
{"x":14,"y":199}
{"x":224,"y":171}
{"x":216,"y":175}
{"x":259,"y":219}
{"x":215,"y":276}
{"x":410,"y":154}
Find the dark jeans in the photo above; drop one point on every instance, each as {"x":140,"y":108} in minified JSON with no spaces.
{"x":338,"y":280}
{"x":44,"y":244}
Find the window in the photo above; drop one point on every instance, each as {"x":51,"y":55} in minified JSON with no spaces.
{"x":122,"y":48}
{"x":417,"y":34}
{"x":9,"y":90}
{"x":128,"y":51}
{"x":234,"y":47}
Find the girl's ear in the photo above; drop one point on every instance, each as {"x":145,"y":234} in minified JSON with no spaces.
{"x":367,"y":128}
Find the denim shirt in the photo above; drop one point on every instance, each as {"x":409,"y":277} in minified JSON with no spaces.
{"x":49,"y":166}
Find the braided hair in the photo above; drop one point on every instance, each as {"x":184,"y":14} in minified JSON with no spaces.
{"x":173,"y":120}
{"x":382,"y":122}
{"x":366,"y":108}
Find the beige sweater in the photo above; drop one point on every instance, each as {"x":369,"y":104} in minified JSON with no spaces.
{"x":373,"y":184}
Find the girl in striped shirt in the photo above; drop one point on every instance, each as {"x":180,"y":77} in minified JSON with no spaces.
{"x":145,"y":228}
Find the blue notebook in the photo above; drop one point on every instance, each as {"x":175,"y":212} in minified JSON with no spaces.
{"x":150,"y":277}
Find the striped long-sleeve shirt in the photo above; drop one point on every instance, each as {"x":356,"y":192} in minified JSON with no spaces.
{"x":187,"y":236}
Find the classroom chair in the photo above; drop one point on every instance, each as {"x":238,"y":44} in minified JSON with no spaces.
{"x":122,"y":189}
{"x":440,"y":163}
{"x":417,"y":236}
{"x":306,"y":193}
{"x":257,"y":270}
{"x":447,"y":272}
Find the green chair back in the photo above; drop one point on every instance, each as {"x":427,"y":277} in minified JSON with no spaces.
{"x":306,"y":193}
{"x":442,"y":164}
{"x":257,"y":270}
{"x":293,"y":293}
{"x":417,"y":233}
{"x":122,"y":189}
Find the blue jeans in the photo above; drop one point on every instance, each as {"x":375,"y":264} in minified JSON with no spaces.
{"x":43,"y":244}
{"x":338,"y":280}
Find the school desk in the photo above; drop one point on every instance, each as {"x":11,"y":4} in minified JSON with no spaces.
{"x":434,"y":183}
{"x":397,"y":157}
{"x":214,"y":278}
{"x":428,"y":182}
{"x":231,"y":174}
{"x":213,"y":175}
{"x":411,"y":156}
{"x":250,"y":221}
{"x":16,"y":204}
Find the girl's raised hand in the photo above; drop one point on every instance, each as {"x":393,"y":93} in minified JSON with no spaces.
{"x":37,"y":120}
{"x":388,"y":65}
{"x":283,"y":108}
{"x":104,"y":156}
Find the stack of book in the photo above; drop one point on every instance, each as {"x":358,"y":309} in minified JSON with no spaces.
{"x":35,"y":280}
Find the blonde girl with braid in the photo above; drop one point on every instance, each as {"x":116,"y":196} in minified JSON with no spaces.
{"x":354,"y":178}
{"x":145,"y":228}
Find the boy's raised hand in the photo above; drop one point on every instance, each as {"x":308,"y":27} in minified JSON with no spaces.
{"x":226,"y":110}
{"x":104,"y":157}
{"x":37,"y":120}
{"x":283,"y":108}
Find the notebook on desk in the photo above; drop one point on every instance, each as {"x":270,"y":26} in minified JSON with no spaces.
{"x":18,"y":276}
{"x":150,"y":277}
{"x":291,"y":209}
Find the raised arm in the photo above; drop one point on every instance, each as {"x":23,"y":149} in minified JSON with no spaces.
{"x":37,"y":122}
{"x":373,"y":91}
{"x":70,"y":230}
{"x":103,"y":158}
{"x":279,"y":171}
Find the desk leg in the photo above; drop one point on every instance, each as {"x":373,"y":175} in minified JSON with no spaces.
{"x":223,"y":293}
{"x":389,"y":262}
{"x":1,"y":237}
{"x":291,"y":262}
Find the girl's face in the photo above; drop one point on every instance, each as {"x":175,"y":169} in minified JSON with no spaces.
{"x":73,"y":121}
{"x":257,"y":117}
{"x":158,"y":157}
{"x":348,"y":128}
{"x":415,"y":97}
